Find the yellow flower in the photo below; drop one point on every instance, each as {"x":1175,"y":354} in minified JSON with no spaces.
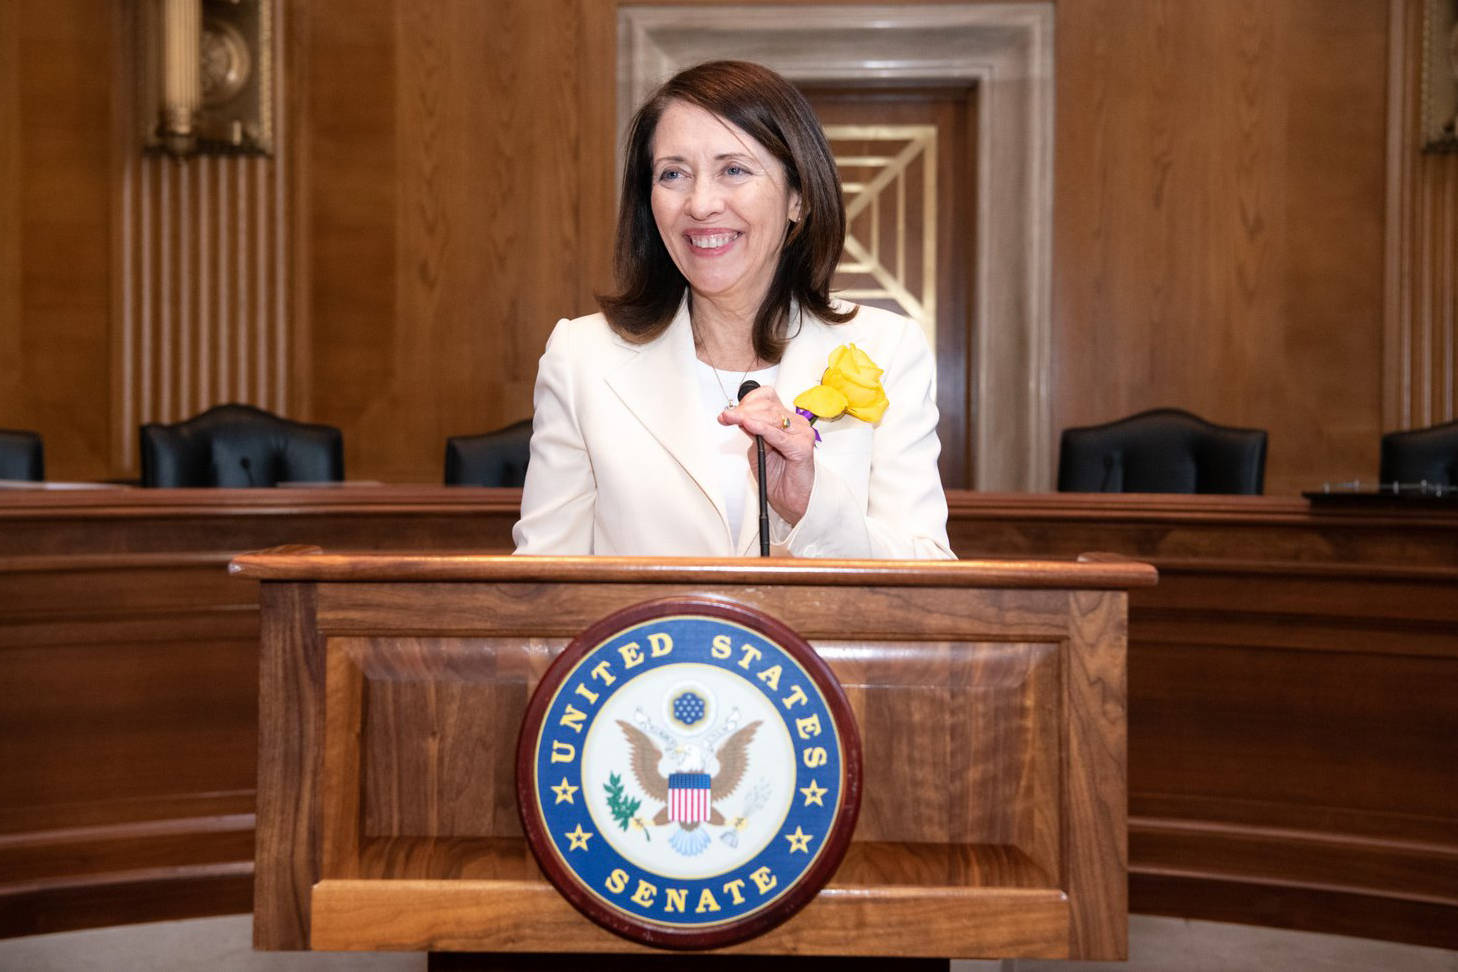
{"x":823,"y":401}
{"x":851,"y":384}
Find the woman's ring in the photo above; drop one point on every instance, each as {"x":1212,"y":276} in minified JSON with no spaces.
{"x":785,"y":422}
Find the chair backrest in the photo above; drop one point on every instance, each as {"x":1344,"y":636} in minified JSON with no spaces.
{"x":22,"y":455}
{"x":1164,"y":450}
{"x":239,"y":445}
{"x":496,"y":458}
{"x":1421,"y":455}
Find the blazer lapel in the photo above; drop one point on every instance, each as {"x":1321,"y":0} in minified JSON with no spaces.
{"x":655,"y":385}
{"x":805,"y":357}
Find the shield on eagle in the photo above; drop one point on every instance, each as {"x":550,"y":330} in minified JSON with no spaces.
{"x":690,"y":797}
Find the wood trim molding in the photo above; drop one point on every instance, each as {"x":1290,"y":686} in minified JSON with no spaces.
{"x":1006,"y":49}
{"x":1420,"y":326}
{"x":291,"y":564}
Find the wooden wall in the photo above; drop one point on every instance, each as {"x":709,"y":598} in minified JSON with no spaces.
{"x":1219,"y":221}
{"x":56,"y":251}
{"x":1221,"y":236}
{"x":440,"y":200}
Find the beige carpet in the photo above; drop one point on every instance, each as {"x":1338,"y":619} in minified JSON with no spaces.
{"x":1156,"y":944}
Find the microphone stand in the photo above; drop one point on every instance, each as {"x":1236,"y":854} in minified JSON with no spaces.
{"x":764,"y":546}
{"x":764,"y":530}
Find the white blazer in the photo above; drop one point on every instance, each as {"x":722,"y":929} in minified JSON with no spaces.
{"x":620,"y":464}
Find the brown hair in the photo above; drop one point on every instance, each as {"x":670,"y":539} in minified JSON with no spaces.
{"x":776,"y":115}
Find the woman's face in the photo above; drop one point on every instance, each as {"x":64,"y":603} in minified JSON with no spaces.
{"x":721,"y":203}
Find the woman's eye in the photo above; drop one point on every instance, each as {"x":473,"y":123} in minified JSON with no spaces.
{"x":669,"y":175}
{"x":736,"y":170}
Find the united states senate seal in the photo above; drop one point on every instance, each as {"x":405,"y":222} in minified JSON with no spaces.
{"x":688,"y":772}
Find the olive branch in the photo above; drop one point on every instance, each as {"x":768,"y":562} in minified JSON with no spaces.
{"x":622,"y":806}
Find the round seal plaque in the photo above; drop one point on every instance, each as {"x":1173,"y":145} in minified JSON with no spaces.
{"x":688,"y":773}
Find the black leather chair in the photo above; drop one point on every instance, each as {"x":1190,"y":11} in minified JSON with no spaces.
{"x":22,"y":455}
{"x":1427,"y":455}
{"x":1164,"y":450}
{"x":496,"y":458}
{"x":239,"y":445}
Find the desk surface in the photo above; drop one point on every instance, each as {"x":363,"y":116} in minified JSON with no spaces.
{"x":1292,"y":735}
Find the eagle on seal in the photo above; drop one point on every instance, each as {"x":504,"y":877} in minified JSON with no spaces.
{"x":733,"y":760}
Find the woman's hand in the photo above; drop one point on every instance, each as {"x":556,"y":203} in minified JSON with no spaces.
{"x":789,"y":464}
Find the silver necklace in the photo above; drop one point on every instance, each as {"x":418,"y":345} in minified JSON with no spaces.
{"x":729,"y":399}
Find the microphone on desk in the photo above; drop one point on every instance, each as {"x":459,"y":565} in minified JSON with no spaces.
{"x":247,"y":469}
{"x":764,"y":543}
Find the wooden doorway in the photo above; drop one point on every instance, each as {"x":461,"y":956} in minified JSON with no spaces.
{"x":907,"y":157}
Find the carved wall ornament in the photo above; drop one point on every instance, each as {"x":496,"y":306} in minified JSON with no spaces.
{"x":1440,"y":76}
{"x":206,"y":76}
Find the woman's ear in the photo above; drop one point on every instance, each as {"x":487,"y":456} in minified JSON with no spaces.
{"x":794,"y":214}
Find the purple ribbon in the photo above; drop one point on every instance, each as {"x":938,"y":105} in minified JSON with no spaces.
{"x":810,"y":417}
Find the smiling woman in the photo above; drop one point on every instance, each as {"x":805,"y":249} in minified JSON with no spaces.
{"x":730,"y":226}
{"x":721,"y":205}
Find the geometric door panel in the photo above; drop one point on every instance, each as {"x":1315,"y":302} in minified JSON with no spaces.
{"x":888,"y":174}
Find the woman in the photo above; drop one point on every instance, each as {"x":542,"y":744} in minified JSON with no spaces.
{"x":730,"y":226}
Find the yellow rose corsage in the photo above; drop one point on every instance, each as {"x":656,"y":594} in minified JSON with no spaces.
{"x":850,"y":386}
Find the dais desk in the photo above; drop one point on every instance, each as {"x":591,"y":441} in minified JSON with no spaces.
{"x":129,"y":683}
{"x":1293,"y":702}
{"x":1293,"y":734}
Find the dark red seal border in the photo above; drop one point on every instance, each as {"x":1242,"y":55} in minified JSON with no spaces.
{"x":803,"y":890}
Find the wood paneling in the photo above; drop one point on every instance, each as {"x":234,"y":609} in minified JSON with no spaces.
{"x":532,"y":915}
{"x":203,"y":315}
{"x":1219,"y":221}
{"x":56,"y":207}
{"x":345,"y":82}
{"x":442,"y":176}
{"x":289,"y":745}
{"x":132,"y":288}
{"x":10,"y":210}
{"x":1225,"y":235}
{"x":429,"y":704}
{"x":128,"y":686}
{"x":1292,"y":741}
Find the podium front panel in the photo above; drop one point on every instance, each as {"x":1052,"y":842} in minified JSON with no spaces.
{"x":992,"y":720}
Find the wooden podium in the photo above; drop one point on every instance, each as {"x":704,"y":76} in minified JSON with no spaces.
{"x":990,"y":697}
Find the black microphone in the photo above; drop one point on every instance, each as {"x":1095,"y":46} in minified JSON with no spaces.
{"x":247,"y":469}
{"x":764,"y":544}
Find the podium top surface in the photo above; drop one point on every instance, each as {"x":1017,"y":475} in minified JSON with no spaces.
{"x":307,"y":563}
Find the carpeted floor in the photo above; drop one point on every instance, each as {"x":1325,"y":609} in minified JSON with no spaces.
{"x":1156,"y":944}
